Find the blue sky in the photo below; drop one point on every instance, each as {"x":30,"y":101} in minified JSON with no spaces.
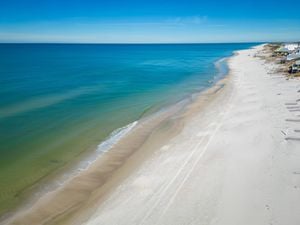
{"x":133,"y":21}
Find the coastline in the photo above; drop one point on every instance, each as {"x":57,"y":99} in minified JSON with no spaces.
{"x":168,"y":122}
{"x":234,"y":161}
{"x":64,"y":118}
{"x":230,"y":157}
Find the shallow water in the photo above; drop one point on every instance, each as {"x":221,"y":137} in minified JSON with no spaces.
{"x":59,"y":101}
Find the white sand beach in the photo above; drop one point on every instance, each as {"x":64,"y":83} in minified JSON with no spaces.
{"x":234,"y":161}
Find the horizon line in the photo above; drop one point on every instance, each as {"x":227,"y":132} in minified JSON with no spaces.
{"x":138,"y":43}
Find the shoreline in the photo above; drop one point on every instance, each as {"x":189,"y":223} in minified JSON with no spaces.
{"x":202,"y":104}
{"x":235,"y":160}
{"x":165,"y":115}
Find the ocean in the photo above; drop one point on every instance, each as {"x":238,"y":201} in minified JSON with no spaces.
{"x":59,"y":102}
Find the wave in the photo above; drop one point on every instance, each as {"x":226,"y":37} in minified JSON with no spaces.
{"x":222,"y":68}
{"x":115,"y":137}
{"x":103,"y":147}
{"x":75,"y":170}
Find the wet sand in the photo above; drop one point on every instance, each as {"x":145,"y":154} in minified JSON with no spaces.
{"x":230,"y":157}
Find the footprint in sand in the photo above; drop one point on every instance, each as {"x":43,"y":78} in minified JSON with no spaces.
{"x":292,"y":120}
{"x":292,"y":139}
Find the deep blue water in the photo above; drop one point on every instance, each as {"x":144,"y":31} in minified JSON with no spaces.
{"x":59,"y":100}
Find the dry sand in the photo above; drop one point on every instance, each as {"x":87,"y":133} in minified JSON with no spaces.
{"x":234,"y":158}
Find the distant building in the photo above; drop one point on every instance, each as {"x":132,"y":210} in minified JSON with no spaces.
{"x":291,"y":46}
{"x":293,"y":56}
{"x":295,"y":68}
{"x":283,"y":51}
{"x":288,"y":48}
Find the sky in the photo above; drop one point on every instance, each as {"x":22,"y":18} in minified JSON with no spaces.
{"x":153,"y":21}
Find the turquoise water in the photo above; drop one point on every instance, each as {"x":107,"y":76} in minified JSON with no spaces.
{"x":58,"y":101}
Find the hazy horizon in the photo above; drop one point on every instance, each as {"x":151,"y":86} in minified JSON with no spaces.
{"x":140,"y":43}
{"x":148,"y":22}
